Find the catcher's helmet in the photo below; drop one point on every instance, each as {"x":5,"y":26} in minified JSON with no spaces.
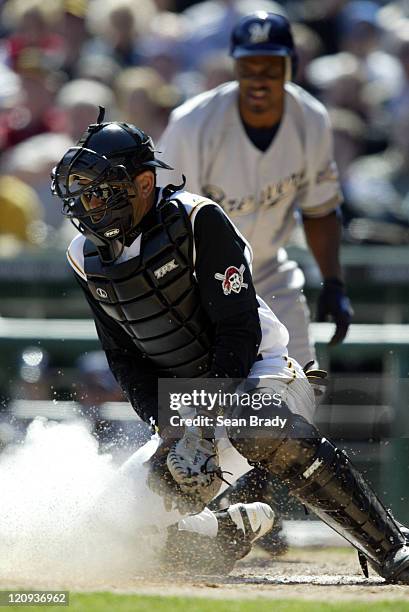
{"x":263,"y":33}
{"x":103,"y":165}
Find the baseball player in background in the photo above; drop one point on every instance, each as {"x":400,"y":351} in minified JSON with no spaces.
{"x":261,"y":147}
{"x":169,"y":303}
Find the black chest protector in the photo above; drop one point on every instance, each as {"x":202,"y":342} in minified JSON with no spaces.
{"x":155,"y":297}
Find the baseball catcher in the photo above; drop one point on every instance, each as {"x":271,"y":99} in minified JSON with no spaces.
{"x":149,"y":260}
{"x":261,"y":147}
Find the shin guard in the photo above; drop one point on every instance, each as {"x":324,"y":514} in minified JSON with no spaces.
{"x":323,"y":478}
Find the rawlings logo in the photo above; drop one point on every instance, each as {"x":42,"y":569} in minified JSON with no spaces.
{"x":101,"y":293}
{"x":259,"y":33}
{"x":111,"y":233}
{"x":167,"y":267}
{"x":232,"y":279}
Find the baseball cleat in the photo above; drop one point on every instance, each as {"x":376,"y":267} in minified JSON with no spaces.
{"x":239,"y":526}
{"x":247,"y":521}
{"x":395,"y":568}
{"x":259,"y":486}
{"x":275,"y":541}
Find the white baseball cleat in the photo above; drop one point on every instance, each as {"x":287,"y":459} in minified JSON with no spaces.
{"x":247,"y":521}
{"x":238,"y":526}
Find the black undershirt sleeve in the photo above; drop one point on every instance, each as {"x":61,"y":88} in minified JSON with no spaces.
{"x":227,"y":293}
{"x":236,"y":345}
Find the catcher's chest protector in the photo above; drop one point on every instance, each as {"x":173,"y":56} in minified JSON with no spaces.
{"x":155,"y":296}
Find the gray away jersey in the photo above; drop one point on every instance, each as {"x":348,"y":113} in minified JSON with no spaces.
{"x":263,"y":192}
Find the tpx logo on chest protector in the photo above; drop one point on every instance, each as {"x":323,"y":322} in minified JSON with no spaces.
{"x":232,"y":279}
{"x":167,"y":267}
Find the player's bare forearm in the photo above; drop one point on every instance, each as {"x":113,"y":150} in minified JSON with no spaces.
{"x":323,"y":236}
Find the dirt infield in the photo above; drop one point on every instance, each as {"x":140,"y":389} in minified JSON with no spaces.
{"x":327,"y":575}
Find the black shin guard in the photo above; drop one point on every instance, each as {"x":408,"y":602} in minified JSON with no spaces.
{"x":335,"y":490}
{"x":323,"y":478}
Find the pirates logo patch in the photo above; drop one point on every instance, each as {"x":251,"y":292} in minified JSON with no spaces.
{"x":232,"y":279}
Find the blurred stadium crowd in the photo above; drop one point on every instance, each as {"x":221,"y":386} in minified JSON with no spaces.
{"x":59,"y":59}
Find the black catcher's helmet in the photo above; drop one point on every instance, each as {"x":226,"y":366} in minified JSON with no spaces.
{"x":263,"y":33}
{"x":103,"y":164}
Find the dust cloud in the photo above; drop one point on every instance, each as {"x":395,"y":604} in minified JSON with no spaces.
{"x":68,"y":515}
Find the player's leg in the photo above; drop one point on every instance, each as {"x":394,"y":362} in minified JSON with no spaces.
{"x":260,"y":484}
{"x":207,"y":542}
{"x":323,"y":478}
{"x":281,"y":287}
{"x":251,"y":484}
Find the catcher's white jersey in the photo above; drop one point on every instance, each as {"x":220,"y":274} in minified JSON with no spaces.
{"x":262,"y":192}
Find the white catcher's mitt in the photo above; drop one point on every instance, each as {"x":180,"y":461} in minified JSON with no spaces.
{"x":194,"y":465}
{"x":186,"y":473}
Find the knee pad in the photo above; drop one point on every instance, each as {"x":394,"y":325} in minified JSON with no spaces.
{"x":276,"y":448}
{"x":292,"y":459}
{"x":286,"y":455}
{"x":264,"y":427}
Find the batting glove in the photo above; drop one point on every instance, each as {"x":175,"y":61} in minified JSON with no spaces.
{"x":333,"y":303}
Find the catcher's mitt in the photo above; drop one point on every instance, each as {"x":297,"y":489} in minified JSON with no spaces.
{"x":186,"y":473}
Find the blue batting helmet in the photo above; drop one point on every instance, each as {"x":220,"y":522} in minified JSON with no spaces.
{"x":263,"y":33}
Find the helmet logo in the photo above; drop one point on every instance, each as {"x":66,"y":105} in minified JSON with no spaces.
{"x":167,"y":267}
{"x":101,"y":293}
{"x":232,"y":279}
{"x":259,"y":33}
{"x":111,"y":233}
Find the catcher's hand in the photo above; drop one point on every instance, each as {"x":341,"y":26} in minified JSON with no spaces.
{"x":186,"y":472}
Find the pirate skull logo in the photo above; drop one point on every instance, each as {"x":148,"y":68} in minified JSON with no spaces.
{"x":232,"y":279}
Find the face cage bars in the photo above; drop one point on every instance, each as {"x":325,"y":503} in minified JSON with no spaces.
{"x":92,"y":161}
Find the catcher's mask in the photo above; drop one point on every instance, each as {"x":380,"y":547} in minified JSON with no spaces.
{"x":95,"y":182}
